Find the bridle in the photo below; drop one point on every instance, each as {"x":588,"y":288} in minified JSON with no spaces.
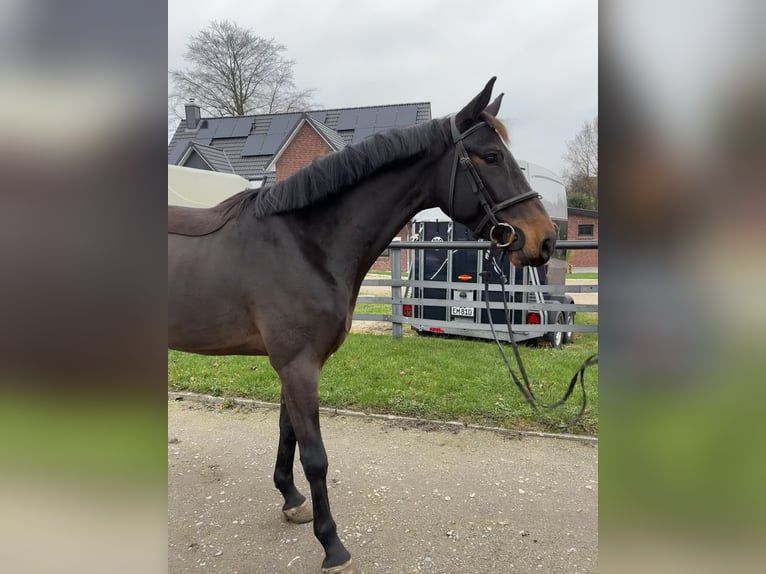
{"x":499,"y":231}
{"x":522,"y":380}
{"x":514,"y":242}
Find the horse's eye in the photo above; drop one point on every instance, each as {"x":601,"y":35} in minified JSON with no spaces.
{"x":491,"y":158}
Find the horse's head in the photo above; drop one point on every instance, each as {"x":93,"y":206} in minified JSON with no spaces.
{"x":487,"y":190}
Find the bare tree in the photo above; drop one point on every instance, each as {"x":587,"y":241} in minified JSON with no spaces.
{"x":582,"y":161}
{"x":582,"y":151}
{"x":234,"y":72}
{"x":175,"y":105}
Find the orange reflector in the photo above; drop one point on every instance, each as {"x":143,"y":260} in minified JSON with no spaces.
{"x":465,"y":277}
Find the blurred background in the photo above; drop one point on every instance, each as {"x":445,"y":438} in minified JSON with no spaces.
{"x":683,"y":119}
{"x":82,"y":286}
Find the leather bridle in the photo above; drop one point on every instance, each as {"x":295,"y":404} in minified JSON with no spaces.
{"x":503,"y":234}
{"x":522,"y":380}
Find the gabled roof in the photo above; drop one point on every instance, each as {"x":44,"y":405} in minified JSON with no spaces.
{"x":582,"y":212}
{"x":333,"y":138}
{"x":215,"y":158}
{"x":329,"y":136}
{"x":250,"y":142}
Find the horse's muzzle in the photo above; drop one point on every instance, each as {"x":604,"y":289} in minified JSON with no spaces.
{"x":507,"y":236}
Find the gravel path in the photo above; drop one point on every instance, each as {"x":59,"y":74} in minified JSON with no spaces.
{"x":405,"y":499}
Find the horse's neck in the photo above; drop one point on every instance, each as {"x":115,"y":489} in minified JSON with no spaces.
{"x":375,"y":211}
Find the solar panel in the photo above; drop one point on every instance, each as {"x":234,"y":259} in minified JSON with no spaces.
{"x":242,"y":127}
{"x":367,"y":118}
{"x":282,"y":124}
{"x":406,"y":115}
{"x":294,"y":119}
{"x":268,"y":143}
{"x":206,"y":131}
{"x":278,"y":124}
{"x":347,"y":120}
{"x":361,"y":133}
{"x":223,"y":128}
{"x":386,"y":117}
{"x":253,"y":145}
{"x":271,"y":143}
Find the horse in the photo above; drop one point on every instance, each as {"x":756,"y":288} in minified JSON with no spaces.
{"x":276,"y":271}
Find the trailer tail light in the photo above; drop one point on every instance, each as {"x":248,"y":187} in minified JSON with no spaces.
{"x":465,"y":277}
{"x":436,"y":330}
{"x":533,"y":318}
{"x":407,"y":310}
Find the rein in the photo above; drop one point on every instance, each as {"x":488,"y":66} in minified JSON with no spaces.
{"x":515,"y":237}
{"x":526,"y":388}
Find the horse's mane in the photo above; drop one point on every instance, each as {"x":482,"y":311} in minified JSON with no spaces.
{"x":337,"y":171}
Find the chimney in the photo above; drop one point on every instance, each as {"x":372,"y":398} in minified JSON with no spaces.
{"x":192,"y":115}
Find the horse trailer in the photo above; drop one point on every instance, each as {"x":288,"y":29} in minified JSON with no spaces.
{"x":454,"y":276}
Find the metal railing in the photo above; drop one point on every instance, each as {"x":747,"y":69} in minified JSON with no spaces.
{"x":396,"y":300}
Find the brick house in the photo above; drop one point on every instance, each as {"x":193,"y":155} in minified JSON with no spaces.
{"x":270,"y":147}
{"x":583,"y":224}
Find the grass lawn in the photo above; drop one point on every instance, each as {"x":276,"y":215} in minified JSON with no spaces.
{"x":373,"y":308}
{"x":427,"y":377}
{"x":582,"y":276}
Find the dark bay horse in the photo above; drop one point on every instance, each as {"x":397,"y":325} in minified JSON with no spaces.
{"x":276,"y":271}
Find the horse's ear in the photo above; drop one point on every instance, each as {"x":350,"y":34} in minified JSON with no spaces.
{"x":494,"y":107}
{"x":469,"y":115}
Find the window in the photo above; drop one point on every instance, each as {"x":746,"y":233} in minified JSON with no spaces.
{"x":585,"y":230}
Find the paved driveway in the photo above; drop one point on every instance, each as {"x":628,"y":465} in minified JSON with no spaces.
{"x":405,"y":499}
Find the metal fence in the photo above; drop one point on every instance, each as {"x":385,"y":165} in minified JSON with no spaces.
{"x":397,"y":283}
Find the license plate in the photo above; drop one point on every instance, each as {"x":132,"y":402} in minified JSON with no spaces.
{"x":462,"y":311}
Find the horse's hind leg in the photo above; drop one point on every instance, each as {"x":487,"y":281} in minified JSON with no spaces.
{"x":296,"y":508}
{"x":300,"y":380}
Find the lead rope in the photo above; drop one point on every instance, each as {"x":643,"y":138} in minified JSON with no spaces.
{"x":526,"y":388}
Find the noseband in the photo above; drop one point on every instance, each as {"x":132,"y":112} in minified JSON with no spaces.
{"x":503,"y":234}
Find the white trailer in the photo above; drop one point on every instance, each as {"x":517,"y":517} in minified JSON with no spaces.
{"x":191,"y":187}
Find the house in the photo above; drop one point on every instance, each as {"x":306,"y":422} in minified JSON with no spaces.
{"x":583,"y":224}
{"x":270,"y":147}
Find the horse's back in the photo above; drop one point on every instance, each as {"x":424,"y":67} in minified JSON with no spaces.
{"x":195,"y":221}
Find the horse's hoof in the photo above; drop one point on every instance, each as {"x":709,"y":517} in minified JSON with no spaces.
{"x":299,"y":514}
{"x":349,"y":567}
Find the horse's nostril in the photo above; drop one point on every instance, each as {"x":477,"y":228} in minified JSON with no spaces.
{"x":547,"y":246}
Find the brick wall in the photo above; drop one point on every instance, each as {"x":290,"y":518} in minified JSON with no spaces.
{"x":582,"y":257}
{"x":307,"y":145}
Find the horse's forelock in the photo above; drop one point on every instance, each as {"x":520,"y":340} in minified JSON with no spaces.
{"x":496,"y":125}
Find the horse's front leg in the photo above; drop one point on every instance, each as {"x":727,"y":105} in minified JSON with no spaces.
{"x":300,"y":380}
{"x":296,"y":508}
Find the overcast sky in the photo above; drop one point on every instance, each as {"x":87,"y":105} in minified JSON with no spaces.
{"x":360,"y":53}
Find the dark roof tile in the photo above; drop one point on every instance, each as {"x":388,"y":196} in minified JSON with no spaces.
{"x":214,"y":157}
